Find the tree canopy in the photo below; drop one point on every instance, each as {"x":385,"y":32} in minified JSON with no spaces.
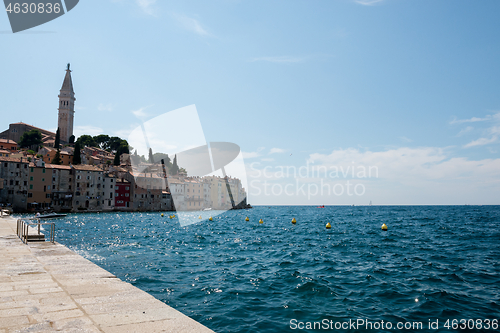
{"x":77,"y":159}
{"x":57,"y":144}
{"x":57,"y":158}
{"x":31,"y":139}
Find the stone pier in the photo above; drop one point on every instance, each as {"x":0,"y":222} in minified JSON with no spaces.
{"x":46,"y":287}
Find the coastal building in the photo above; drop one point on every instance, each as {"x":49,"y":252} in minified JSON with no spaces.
{"x":14,"y":183}
{"x":40,"y":186}
{"x":88,"y":188}
{"x":62,"y":187}
{"x":109,"y":192}
{"x":5,"y":153}
{"x":178,"y":191}
{"x":49,"y":153}
{"x":122,"y":194}
{"x":148,"y":191}
{"x":17,"y":130}
{"x":10,"y":145}
{"x":66,"y":108}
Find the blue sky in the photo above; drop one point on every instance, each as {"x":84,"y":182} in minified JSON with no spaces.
{"x":410,"y":87}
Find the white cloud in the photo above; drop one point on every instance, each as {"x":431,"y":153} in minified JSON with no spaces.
{"x":87,"y":129}
{"x":280,"y":59}
{"x":139,"y":113}
{"x":105,"y":107}
{"x":471,"y":120}
{"x":276,"y":151}
{"x":490,"y":134}
{"x":249,"y":155}
{"x":425,"y":175}
{"x":465,"y":130}
{"x":146,"y":6}
{"x":482,"y":142}
{"x":405,"y":139}
{"x":191,"y":24}
{"x":368,"y":2}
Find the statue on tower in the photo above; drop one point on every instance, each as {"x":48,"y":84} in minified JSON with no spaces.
{"x":68,"y":66}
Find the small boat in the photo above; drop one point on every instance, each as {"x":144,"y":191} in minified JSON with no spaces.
{"x":51,"y":216}
{"x":323,"y":206}
{"x":207,"y":209}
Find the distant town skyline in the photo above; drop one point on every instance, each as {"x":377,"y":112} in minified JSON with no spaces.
{"x":408,"y":87}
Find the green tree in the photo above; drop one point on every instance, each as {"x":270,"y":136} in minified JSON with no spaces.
{"x":86,"y":141}
{"x":72,"y":139}
{"x":31,"y":139}
{"x":57,"y":144}
{"x":57,"y":158}
{"x":102,"y":141}
{"x":116,"y":160}
{"x":122,"y":149}
{"x":77,"y":159}
{"x":164,"y":157}
{"x":175,"y":168}
{"x":151,"y":159}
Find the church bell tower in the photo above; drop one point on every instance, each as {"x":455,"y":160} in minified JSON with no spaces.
{"x":66,"y":108}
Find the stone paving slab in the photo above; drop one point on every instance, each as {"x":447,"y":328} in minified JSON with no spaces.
{"x":46,"y":287}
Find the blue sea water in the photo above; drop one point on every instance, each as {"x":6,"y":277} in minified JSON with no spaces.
{"x":434,"y":263}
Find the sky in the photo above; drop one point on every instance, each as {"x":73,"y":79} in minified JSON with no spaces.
{"x":388,"y":101}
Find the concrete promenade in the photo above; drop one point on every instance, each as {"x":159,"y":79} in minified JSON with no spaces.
{"x":46,"y":287}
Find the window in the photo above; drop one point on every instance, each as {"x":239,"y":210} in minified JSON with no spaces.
{"x":112,"y":180}
{"x":47,"y":195}
{"x":30,"y":195}
{"x":127,"y":195}
{"x":31,"y":186}
{"x":25,"y":183}
{"x":48,"y":187}
{"x":127,"y":188}
{"x":44,"y":188}
{"x":17,"y":165}
{"x":111,"y":195}
{"x":11,"y":191}
{"x":110,"y":186}
{"x":77,"y":184}
{"x":43,"y":170}
{"x":116,"y":187}
{"x":31,"y":178}
{"x":31,"y":169}
{"x":43,"y":179}
{"x":5,"y":165}
{"x":11,"y":182}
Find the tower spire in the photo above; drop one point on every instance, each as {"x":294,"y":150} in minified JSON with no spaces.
{"x":66,"y":107}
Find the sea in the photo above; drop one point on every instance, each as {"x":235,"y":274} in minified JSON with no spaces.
{"x":436,"y":268}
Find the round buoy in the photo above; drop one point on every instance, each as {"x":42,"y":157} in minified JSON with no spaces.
{"x":260,"y":221}
{"x":162,"y":215}
{"x":200,"y":217}
{"x":328,"y":225}
{"x":247,"y":219}
{"x":210,"y":218}
{"x":171,"y":217}
{"x":384,"y":227}
{"x":294,"y":220}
